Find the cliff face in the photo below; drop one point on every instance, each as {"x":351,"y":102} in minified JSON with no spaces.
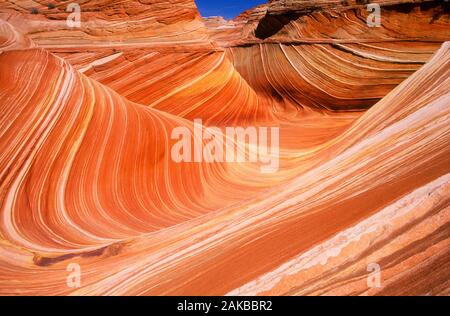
{"x":87,"y":177}
{"x":324,"y":55}
{"x":106,"y":22}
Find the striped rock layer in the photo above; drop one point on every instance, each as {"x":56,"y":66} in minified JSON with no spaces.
{"x":87,"y":178}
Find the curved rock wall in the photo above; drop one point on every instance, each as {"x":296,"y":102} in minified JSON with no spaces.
{"x":86,"y":175}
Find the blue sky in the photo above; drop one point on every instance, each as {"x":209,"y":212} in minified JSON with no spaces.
{"x":226,"y":8}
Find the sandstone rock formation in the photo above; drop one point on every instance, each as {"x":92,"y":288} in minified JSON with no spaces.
{"x":87,"y":178}
{"x":107,"y":23}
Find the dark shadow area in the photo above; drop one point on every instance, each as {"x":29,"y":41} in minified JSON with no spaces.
{"x":272,"y":24}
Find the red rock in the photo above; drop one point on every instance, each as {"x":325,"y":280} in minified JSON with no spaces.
{"x":87,"y":177}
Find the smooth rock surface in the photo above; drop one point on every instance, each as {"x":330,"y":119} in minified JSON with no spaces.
{"x":86,"y":175}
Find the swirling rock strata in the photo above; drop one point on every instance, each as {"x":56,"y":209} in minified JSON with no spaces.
{"x":108,"y":23}
{"x":86,"y":175}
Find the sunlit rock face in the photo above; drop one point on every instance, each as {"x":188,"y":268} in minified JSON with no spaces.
{"x":105,"y":22}
{"x":87,"y":177}
{"x":323,"y":54}
{"x":332,"y":21}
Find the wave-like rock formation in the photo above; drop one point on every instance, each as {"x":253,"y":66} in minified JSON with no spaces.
{"x":107,"y":23}
{"x":87,"y":177}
